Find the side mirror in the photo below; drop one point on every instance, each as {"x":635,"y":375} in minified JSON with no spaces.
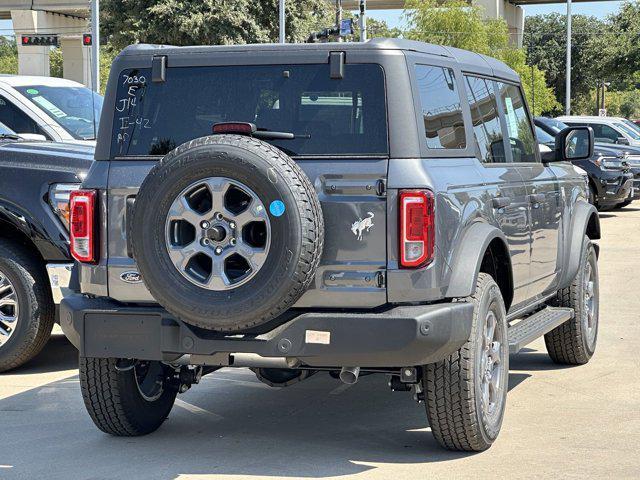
{"x":622,"y":141}
{"x":572,"y":143}
{"x":33,"y":136}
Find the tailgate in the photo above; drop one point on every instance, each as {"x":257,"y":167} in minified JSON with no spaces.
{"x":352,"y":269}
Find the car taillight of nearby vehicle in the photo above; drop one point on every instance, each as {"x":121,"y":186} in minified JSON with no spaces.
{"x":417,"y":228}
{"x":59,"y":194}
{"x":81,"y":225}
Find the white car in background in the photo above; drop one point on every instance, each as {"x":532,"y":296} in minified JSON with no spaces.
{"x":616,"y":130}
{"x":58,"y":109}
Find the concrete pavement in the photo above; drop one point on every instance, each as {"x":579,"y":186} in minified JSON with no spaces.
{"x":580,"y":422}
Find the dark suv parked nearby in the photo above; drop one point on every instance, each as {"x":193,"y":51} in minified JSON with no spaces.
{"x":377,"y":207}
{"x":35,"y":265}
{"x":611,"y":178}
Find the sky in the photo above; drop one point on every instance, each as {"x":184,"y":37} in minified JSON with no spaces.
{"x":394,"y":17}
{"x":596,"y":9}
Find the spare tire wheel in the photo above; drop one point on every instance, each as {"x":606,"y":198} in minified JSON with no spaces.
{"x":227,"y":232}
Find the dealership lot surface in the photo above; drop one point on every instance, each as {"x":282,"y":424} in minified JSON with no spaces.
{"x":562,"y":422}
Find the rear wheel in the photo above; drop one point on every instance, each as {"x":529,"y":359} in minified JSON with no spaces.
{"x":626,"y":203}
{"x":130,"y":401}
{"x":26,"y":307}
{"x":465,"y":394}
{"x":574,"y":342}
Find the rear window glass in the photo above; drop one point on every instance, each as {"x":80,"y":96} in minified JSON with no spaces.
{"x":328,"y":116}
{"x":441,"y":107}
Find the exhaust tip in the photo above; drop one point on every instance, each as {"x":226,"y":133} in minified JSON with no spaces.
{"x":349,"y":375}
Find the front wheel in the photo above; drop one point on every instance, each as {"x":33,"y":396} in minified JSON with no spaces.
{"x":465,"y":394}
{"x":574,"y":342}
{"x":130,"y":401}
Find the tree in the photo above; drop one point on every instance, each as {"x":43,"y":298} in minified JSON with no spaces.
{"x":379,"y":29}
{"x":209,"y":22}
{"x":623,"y":46}
{"x":545,"y":41}
{"x":8,"y":56}
{"x":458,"y":24}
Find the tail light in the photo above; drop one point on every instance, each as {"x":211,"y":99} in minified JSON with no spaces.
{"x":59,"y":200}
{"x":417,"y":228}
{"x":81,"y":225}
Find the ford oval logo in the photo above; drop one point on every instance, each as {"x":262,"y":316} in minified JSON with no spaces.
{"x":131,"y":277}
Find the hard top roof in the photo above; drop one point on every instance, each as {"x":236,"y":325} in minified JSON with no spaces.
{"x":457,"y":55}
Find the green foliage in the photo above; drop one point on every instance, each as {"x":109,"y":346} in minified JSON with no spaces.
{"x":624,"y":103}
{"x":459,"y":25}
{"x":209,"y":22}
{"x":107,"y":54}
{"x":55,"y":62}
{"x":545,"y":41}
{"x":8,"y":56}
{"x":623,"y":42}
{"x":380,"y":28}
{"x":455,"y":23}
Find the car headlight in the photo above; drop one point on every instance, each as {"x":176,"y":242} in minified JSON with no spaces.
{"x":59,"y":200}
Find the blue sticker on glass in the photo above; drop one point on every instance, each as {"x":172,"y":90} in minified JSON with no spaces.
{"x":276,"y":208}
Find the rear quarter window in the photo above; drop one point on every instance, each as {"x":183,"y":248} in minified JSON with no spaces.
{"x":441,"y":107}
{"x":328,"y":116}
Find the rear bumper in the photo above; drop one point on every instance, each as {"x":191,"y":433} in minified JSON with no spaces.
{"x":398,"y":337}
{"x":59,"y":279}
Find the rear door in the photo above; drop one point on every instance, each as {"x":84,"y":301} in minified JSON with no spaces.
{"x":341,"y":142}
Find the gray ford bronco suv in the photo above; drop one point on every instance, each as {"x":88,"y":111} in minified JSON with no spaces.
{"x":348,"y":208}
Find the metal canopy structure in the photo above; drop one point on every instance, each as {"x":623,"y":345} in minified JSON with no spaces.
{"x":73,"y":8}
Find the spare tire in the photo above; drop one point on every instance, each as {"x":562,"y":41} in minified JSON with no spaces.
{"x":227,"y":232}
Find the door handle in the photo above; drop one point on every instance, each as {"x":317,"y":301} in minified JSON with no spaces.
{"x":501,"y":202}
{"x":536,"y":198}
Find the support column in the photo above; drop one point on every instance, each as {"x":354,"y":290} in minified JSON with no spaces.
{"x":31,"y":60}
{"x":512,"y":14}
{"x":282,"y":22}
{"x":76,"y":63}
{"x":35,"y":60}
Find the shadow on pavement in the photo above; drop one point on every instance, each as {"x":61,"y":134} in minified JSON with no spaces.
{"x":57,"y":355}
{"x":534,"y":361}
{"x":229,"y":424}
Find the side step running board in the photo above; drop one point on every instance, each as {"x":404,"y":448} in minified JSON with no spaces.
{"x":536,"y":325}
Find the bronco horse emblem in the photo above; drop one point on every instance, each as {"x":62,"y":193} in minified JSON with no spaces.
{"x":361,"y":225}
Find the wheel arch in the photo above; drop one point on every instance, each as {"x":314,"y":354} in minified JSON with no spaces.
{"x":10,"y":232}
{"x":585,"y":222}
{"x":483,"y":248}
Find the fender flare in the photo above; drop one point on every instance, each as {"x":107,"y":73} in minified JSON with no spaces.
{"x":26,"y":224}
{"x":583,"y":214}
{"x":467,"y":260}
